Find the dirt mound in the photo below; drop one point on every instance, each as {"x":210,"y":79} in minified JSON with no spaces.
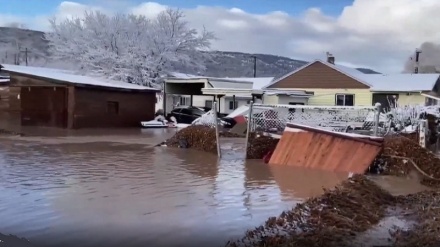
{"x":423,"y":207}
{"x":260,"y":145}
{"x":401,"y":155}
{"x":329,"y":220}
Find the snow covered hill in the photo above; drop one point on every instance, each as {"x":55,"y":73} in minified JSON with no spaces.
{"x":15,"y":41}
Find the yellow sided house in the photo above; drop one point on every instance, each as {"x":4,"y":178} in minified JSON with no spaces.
{"x":328,"y":84}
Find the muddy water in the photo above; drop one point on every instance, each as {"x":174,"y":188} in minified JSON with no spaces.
{"x":117,"y":189}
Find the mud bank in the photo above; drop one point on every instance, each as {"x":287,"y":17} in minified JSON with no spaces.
{"x":424,"y":208}
{"x":333,"y":219}
{"x":358,"y":212}
{"x":402,"y":155}
{"x":14,"y":241}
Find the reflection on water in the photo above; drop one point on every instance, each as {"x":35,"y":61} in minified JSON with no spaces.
{"x":400,"y":185}
{"x":119,"y":190}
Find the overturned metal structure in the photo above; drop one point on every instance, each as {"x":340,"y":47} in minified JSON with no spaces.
{"x":309,"y":147}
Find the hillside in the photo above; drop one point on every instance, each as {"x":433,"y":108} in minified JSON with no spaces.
{"x":223,"y":64}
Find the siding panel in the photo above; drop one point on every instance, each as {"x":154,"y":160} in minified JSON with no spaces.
{"x":91,"y":108}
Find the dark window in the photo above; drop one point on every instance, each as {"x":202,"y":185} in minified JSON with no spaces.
{"x":112,"y":107}
{"x":344,"y":99}
{"x":295,"y":103}
{"x":233,"y":106}
{"x":208,"y":103}
{"x":431,"y":102}
{"x":184,"y":100}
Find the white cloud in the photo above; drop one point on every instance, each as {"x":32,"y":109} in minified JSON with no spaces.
{"x":380,"y":34}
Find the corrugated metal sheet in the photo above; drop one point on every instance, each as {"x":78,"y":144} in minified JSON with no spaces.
{"x":315,"y":148}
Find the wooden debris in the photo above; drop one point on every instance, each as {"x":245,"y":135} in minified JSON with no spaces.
{"x":260,"y":145}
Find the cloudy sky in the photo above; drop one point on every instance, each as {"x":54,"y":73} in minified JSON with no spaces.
{"x":379,"y":34}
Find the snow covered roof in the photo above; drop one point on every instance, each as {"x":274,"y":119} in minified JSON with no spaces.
{"x":380,"y":82}
{"x":70,"y":77}
{"x":256,"y":83}
{"x":4,"y":80}
{"x":182,"y":75}
{"x":401,"y":82}
{"x":219,"y":83}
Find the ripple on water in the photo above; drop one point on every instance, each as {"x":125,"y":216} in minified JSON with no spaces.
{"x":133,"y":194}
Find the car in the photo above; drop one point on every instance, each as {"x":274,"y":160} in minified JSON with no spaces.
{"x":187,"y":114}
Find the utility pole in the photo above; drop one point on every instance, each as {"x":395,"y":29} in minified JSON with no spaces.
{"x":255,"y":65}
{"x":26,"y":51}
{"x":416,"y":70}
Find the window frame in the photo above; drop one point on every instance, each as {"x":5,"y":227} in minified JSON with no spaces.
{"x":211,"y":102}
{"x":234,"y":104}
{"x":344,"y":94}
{"x":186,"y":100}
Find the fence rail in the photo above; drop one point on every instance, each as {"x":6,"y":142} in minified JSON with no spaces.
{"x":273,"y":118}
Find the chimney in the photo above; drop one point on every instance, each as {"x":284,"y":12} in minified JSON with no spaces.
{"x":330,"y":58}
{"x":416,"y":69}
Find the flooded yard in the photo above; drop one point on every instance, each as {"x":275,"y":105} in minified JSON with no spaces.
{"x":117,"y":189}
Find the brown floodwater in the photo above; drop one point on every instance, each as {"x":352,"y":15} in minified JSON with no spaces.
{"x":114,"y":188}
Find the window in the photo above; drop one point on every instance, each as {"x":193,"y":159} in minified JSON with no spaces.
{"x":431,"y":102}
{"x":184,"y":100}
{"x":233,"y":105}
{"x":112,"y":107}
{"x":345,"y":99}
{"x":295,"y":103}
{"x":208,"y":104}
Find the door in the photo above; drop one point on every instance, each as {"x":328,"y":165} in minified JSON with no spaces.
{"x":44,"y":106}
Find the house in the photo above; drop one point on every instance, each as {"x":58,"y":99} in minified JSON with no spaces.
{"x":200,"y":91}
{"x":329,"y":84}
{"x":59,"y":98}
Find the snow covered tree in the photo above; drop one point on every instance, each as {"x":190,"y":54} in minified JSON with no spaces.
{"x":129,"y":47}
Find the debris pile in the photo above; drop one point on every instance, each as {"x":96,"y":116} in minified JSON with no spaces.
{"x":424,"y":207}
{"x":197,"y":137}
{"x":260,"y":145}
{"x":332,"y":219}
{"x":401,"y":155}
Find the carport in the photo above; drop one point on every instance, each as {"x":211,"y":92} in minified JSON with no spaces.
{"x":215,"y":87}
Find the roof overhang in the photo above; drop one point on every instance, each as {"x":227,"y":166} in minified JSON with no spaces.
{"x":243,"y":92}
{"x":65,"y":83}
{"x":431,"y":96}
{"x":186,"y":80}
{"x":396,"y":91}
{"x":296,"y":93}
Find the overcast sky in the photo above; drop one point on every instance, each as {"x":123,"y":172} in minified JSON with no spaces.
{"x":379,"y":34}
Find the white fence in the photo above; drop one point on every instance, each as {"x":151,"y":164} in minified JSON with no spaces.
{"x":273,"y":118}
